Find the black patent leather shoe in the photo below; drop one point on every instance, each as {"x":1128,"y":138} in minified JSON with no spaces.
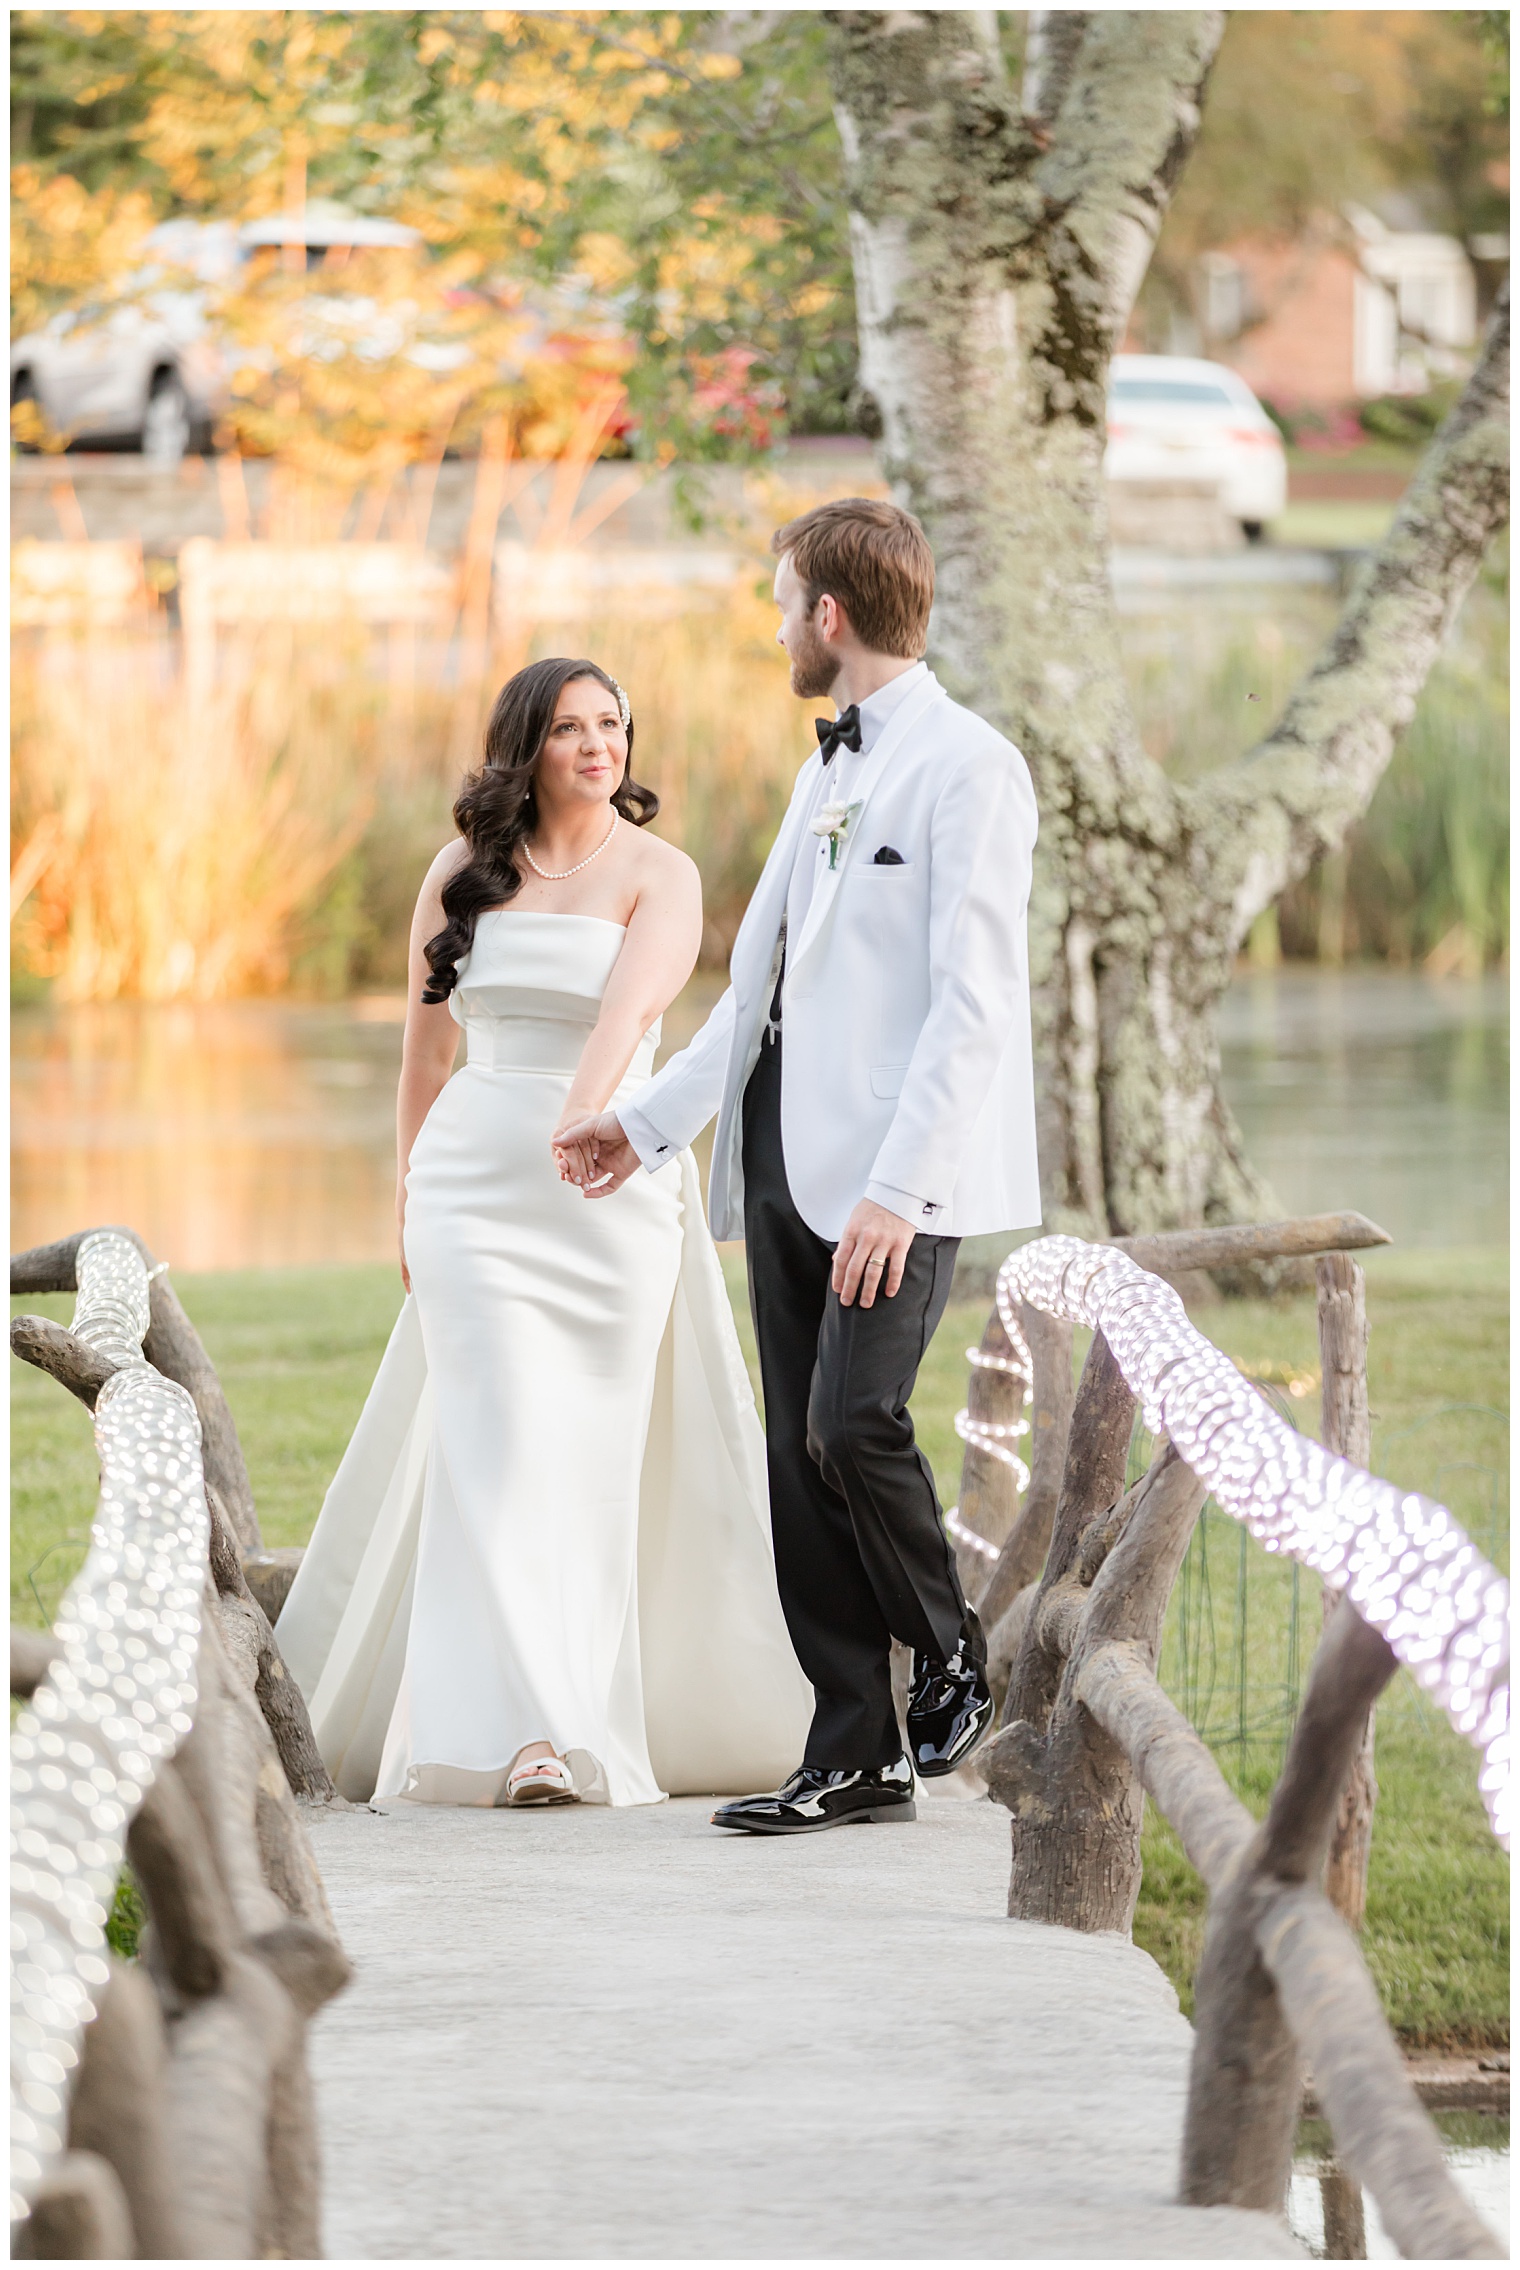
{"x":950,"y":1708}
{"x":825,"y":1797}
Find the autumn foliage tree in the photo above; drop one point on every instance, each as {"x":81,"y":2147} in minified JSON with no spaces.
{"x":597,"y":193}
{"x":661,"y":197}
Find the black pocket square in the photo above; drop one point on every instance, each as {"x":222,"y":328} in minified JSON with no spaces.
{"x":887,"y":857}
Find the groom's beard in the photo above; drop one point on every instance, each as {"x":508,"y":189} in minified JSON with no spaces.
{"x":814,"y":668}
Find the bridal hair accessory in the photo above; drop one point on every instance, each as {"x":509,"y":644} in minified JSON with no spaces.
{"x":624,"y":712}
{"x":565,"y":873}
{"x":833,"y":824}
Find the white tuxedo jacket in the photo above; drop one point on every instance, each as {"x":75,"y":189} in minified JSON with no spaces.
{"x":907,"y":1068}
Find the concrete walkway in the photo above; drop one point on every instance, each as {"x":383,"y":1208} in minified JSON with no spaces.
{"x":593,"y":2034}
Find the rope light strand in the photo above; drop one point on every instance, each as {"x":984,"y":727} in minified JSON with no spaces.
{"x":972,"y":1539}
{"x":117,"y":1699}
{"x":1403,"y":1560}
{"x":988,"y":1436}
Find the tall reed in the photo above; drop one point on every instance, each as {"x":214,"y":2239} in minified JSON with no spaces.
{"x":171,"y":844}
{"x":272,"y":833}
{"x":1424,"y":874}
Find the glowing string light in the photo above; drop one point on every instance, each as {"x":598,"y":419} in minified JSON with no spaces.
{"x":118,"y":1699}
{"x":1404,"y":1562}
{"x":986,"y":1435}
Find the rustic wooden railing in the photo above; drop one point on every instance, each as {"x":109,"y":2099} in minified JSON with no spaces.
{"x":1073,"y":1585}
{"x":159,"y":2109}
{"x":163,"y":2110}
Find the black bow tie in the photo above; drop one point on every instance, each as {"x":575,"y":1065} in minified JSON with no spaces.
{"x":841,"y":732}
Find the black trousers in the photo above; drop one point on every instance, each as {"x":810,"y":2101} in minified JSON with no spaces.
{"x":861,"y":1551}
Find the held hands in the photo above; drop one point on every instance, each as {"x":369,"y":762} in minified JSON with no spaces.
{"x":871,"y":1254}
{"x":594,"y":1154}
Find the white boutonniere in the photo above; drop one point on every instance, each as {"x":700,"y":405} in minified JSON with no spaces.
{"x":833,"y":824}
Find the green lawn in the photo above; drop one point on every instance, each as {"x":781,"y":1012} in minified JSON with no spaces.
{"x":296,"y":1350}
{"x":1333,"y":524}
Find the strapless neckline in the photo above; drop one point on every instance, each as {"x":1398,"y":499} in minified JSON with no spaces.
{"x":543,"y":914}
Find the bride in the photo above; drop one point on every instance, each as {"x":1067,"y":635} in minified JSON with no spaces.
{"x":542,"y":1572}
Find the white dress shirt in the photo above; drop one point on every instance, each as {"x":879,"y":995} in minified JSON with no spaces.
{"x":835,"y":786}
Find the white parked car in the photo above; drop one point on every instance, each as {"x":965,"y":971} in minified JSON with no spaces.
{"x":1173,"y":416}
{"x":151,"y":370}
{"x":145,"y":372}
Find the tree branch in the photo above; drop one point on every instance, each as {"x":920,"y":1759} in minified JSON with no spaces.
{"x":1119,"y":1686}
{"x":276,"y":1692}
{"x":172,"y":1345}
{"x":1131,"y":88}
{"x":1050,"y":1404}
{"x":1050,"y":57}
{"x":1268,"y":817}
{"x":54,"y":1349}
{"x":1174,"y":1252}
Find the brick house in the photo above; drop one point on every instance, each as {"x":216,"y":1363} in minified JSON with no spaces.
{"x":1353,"y":308}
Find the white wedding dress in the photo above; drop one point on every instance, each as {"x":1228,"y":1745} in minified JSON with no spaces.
{"x":551,"y":1523}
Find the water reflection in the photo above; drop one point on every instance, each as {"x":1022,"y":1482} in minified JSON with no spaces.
{"x":1377,"y":1090}
{"x":257,"y":1134}
{"x":240,"y":1135}
{"x":1336,"y":2222}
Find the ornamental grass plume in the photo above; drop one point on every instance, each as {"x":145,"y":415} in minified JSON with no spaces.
{"x":277,"y":839}
{"x":272,"y":833}
{"x":169,"y":845}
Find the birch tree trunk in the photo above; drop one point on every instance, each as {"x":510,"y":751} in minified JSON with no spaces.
{"x":999,"y":236}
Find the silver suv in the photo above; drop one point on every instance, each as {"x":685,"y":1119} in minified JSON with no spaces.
{"x":150,"y":369}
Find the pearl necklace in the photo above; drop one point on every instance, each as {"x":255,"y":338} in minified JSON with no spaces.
{"x":565,"y":873}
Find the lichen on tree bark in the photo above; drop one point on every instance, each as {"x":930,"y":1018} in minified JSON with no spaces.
{"x":999,"y":236}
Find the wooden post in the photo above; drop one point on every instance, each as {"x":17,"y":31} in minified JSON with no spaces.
{"x":191,"y":2131}
{"x":1050,"y":1401}
{"x":1345,"y":2217}
{"x":79,"y":2214}
{"x":1092,"y":1481}
{"x":1074,"y":1790}
{"x":1346,"y":1428}
{"x":1244,"y":2093}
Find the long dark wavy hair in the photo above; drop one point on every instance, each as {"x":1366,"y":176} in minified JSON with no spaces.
{"x":497,"y":809}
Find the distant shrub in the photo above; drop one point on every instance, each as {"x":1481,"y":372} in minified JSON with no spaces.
{"x":1409,"y":419}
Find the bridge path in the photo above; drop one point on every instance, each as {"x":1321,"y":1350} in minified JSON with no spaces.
{"x":593,"y":2034}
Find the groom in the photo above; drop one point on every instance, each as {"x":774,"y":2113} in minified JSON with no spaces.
{"x":871,"y":1072}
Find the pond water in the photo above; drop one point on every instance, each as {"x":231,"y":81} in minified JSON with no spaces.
{"x":1377,"y":1090}
{"x":254,"y":1134}
{"x":1334,"y":2219}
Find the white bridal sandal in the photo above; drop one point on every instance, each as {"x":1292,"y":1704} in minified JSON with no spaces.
{"x":542,"y":1781}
